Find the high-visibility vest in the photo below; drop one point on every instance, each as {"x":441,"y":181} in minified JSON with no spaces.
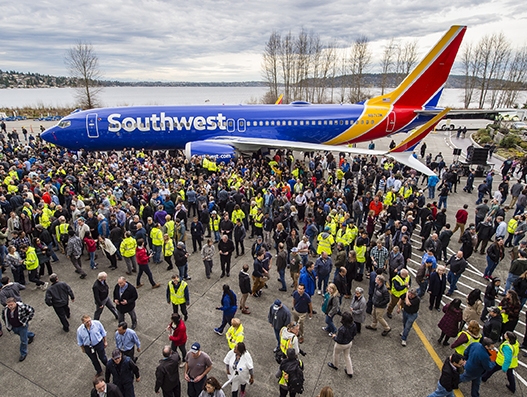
{"x":31,"y":261}
{"x":237,"y":214}
{"x":258,"y":220}
{"x":157,"y":236}
{"x":504,"y":316}
{"x":128,"y":246}
{"x":168,"y":247}
{"x":259,"y":201}
{"x":396,"y":293}
{"x":343,"y":236}
{"x":234,"y":336}
{"x":214,"y":224}
{"x":285,"y":343}
{"x":515,"y":351}
{"x":169,"y":226}
{"x":177,"y":297}
{"x":324,"y":243}
{"x":390,"y":198}
{"x":512,"y":225}
{"x":461,"y":348}
{"x":62,"y":229}
{"x":332,"y":227}
{"x":361,"y":253}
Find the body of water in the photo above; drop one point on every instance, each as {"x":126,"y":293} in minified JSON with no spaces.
{"x":136,"y":96}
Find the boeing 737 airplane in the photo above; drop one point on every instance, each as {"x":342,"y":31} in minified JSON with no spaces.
{"x":222,"y":130}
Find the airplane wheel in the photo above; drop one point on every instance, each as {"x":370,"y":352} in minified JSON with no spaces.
{"x":443,"y":127}
{"x":452,"y":127}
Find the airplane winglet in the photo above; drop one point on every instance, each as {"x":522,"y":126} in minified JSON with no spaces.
{"x":419,"y":134}
{"x":279,"y":100}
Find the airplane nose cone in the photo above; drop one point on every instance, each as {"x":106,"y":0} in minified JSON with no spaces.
{"x":49,"y":135}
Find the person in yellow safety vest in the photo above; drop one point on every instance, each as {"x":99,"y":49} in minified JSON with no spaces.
{"x":259,"y":200}
{"x":343,"y":236}
{"x":289,"y":338}
{"x":325,"y":242}
{"x":289,"y":364}
{"x":213,"y":167}
{"x":506,"y":360}
{"x":27,"y":210}
{"x":235,"y":333}
{"x":214,"y":225}
{"x":205,"y":163}
{"x":390,"y":198}
{"x":127,"y":250}
{"x":258,"y":223}
{"x":237,"y":213}
{"x":406,"y":190}
{"x":511,"y":228}
{"x":400,"y":284}
{"x":156,"y":234}
{"x":353,"y":231}
{"x":465,"y":338}
{"x":168,"y":250}
{"x":178,"y":295}
{"x":61,"y":232}
{"x":360,"y":251}
{"x":169,"y":226}
{"x":32,"y":264}
{"x":331,"y":225}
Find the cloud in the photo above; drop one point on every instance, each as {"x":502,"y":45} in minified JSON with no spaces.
{"x":209,"y":40}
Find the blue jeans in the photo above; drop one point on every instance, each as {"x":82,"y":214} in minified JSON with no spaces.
{"x":511,"y":278}
{"x":281,"y":272}
{"x":452,"y":279}
{"x":53,"y":254}
{"x":422,"y":288}
{"x":145,"y":269}
{"x":476,"y":381}
{"x":217,"y":236}
{"x":441,"y":392}
{"x":323,"y":280}
{"x":408,"y":321}
{"x":331,"y":327}
{"x":491,"y":266}
{"x":157,"y":253}
{"x":517,"y":238}
{"x":442,"y":201}
{"x":92,"y":259}
{"x":24,"y":336}
{"x":183,"y":271}
{"x":480,"y":198}
{"x":431,"y":192}
{"x":519,"y":210}
{"x":277,"y":336}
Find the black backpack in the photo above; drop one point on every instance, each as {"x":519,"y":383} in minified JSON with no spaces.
{"x":295,"y":380}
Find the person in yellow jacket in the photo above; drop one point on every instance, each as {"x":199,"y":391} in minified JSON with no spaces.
{"x":214,"y":224}
{"x":235,"y":333}
{"x":178,"y":295}
{"x":169,"y":226}
{"x":511,"y":228}
{"x":32,"y":264}
{"x":168,"y":250}
{"x":237,"y":213}
{"x":127,"y":249}
{"x":506,"y":360}
{"x":325,"y":242}
{"x":465,"y":338}
{"x":156,"y":234}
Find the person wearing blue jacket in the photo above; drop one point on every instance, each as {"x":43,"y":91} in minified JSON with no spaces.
{"x":478,"y":363}
{"x":228,"y":307}
{"x":308,"y":277}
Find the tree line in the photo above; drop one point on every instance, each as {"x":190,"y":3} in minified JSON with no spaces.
{"x":303,"y":68}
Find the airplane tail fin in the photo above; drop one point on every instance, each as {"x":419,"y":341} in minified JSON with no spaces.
{"x":279,"y":100}
{"x":402,"y":152}
{"x":425,"y":82}
{"x":419,"y":134}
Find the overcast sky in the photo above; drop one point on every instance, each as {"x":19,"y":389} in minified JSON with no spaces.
{"x":215,"y":40}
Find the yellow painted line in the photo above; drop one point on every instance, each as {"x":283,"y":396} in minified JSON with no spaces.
{"x":429,"y":348}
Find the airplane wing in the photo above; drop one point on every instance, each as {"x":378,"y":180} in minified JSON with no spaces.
{"x":401,"y":153}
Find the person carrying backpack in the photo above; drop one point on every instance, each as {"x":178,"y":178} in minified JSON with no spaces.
{"x":291,"y":375}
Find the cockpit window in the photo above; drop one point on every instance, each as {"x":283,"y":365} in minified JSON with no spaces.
{"x":64,"y":123}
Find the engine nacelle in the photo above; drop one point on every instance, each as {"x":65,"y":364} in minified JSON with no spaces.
{"x":223,"y":153}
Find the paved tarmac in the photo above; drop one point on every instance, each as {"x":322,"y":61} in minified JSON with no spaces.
{"x":55,"y":365}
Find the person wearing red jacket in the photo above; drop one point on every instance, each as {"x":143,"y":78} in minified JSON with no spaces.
{"x":376,"y":206}
{"x":142,"y":257}
{"x":461,"y":220}
{"x":91,"y":246}
{"x":178,"y":336}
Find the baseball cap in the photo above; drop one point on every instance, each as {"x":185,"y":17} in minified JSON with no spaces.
{"x":495,"y":309}
{"x":413,"y":291}
{"x":294,"y":249}
{"x":195,"y":347}
{"x":277,"y":304}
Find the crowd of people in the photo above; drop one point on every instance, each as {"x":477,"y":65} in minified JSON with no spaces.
{"x":332,"y":221}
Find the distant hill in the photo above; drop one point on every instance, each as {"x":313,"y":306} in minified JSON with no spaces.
{"x":13,"y":79}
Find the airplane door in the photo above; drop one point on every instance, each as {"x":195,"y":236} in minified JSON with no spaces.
{"x":241,"y":125}
{"x":91,"y":125}
{"x":230,"y":125}
{"x":391,"y":122}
